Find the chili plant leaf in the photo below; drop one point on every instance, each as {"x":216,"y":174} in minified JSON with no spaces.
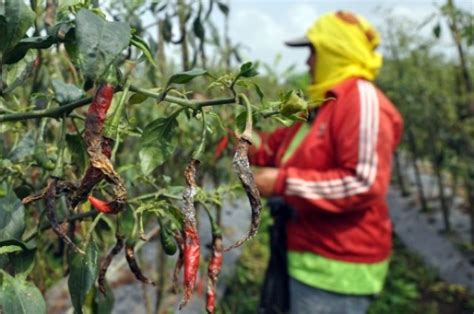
{"x":83,"y":272}
{"x":19,"y":297}
{"x":15,"y":19}
{"x":138,"y":42}
{"x":185,"y":77}
{"x":12,"y":216}
{"x":224,"y":8}
{"x":75,"y":145}
{"x":19,"y":51}
{"x":66,"y":93}
{"x":248,"y":69}
{"x":157,"y":143}
{"x":99,"y":42}
{"x":20,"y":256}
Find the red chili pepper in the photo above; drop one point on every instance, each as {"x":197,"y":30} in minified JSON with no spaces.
{"x":221,"y":146}
{"x":191,"y":237}
{"x":102,"y":206}
{"x":97,"y":111}
{"x":213,"y":270}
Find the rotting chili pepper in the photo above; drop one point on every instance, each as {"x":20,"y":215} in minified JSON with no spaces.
{"x":179,"y":262}
{"x":98,"y":149}
{"x":132,"y":264}
{"x":241,"y":166}
{"x":191,"y":236}
{"x":214,"y":268}
{"x":107,"y":260}
{"x":92,"y":176}
{"x":50,"y":199}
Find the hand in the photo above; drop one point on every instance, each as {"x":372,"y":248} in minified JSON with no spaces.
{"x":265,"y":178}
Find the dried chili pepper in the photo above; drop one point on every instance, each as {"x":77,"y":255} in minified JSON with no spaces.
{"x":50,"y":198}
{"x":215,"y":265}
{"x":179,"y":262}
{"x":241,"y":166}
{"x":191,"y":236}
{"x":107,"y":260}
{"x":133,"y":265}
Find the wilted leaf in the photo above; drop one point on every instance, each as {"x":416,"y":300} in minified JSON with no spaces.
{"x":19,"y":297}
{"x":83,"y":272}
{"x":66,"y":93}
{"x":99,"y":42}
{"x":157,"y":143}
{"x":12,"y":216}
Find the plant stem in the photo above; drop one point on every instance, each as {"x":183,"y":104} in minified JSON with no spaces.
{"x":247,"y":135}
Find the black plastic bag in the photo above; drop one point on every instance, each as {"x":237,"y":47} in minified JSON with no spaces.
{"x":274,"y":296}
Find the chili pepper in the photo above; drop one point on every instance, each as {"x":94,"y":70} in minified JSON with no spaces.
{"x":98,"y":148}
{"x":92,"y":176}
{"x":132,"y":264}
{"x":108,"y":259}
{"x":50,"y":198}
{"x":167,"y":241}
{"x":241,"y":166}
{"x":191,"y":237}
{"x":221,"y":146}
{"x":214,"y":267}
{"x":179,"y":262}
{"x":104,"y":207}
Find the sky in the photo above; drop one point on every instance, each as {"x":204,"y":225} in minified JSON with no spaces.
{"x":263,"y":25}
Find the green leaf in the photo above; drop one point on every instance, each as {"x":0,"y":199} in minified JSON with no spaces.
{"x":66,"y":93}
{"x":24,"y":148}
{"x":224,"y":8}
{"x":15,"y":19}
{"x":248,"y":70}
{"x":19,"y":51}
{"x":185,"y":77}
{"x":437,"y":30}
{"x":138,"y":42}
{"x":166,"y":29}
{"x":259,"y":92}
{"x":99,"y":42}
{"x":21,"y":256}
{"x":198,"y":28}
{"x":137,"y":98}
{"x":157,"y":143}
{"x":12,"y":216}
{"x":126,"y":223}
{"x":19,"y":297}
{"x":83,"y":272}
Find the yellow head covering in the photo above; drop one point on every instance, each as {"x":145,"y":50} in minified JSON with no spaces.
{"x":345,"y":45}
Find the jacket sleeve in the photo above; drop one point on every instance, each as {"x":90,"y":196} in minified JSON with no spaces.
{"x":363,"y":140}
{"x":263,"y":152}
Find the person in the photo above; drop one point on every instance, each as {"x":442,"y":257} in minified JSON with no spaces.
{"x":334,"y":171}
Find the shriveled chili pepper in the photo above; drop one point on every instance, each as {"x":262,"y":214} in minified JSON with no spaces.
{"x":133,"y":265}
{"x":92,"y":176}
{"x":98,"y":149}
{"x":50,"y":198}
{"x":241,"y":166}
{"x":191,"y":236}
{"x":179,"y":262}
{"x":214,"y":267}
{"x":107,"y":260}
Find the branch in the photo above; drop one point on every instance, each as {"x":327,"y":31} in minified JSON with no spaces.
{"x":60,"y":111}
{"x":80,"y":216}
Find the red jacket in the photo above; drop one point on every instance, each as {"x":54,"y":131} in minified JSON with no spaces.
{"x":338,"y":177}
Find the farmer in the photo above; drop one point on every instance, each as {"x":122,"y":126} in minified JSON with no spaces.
{"x":334,"y":171}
